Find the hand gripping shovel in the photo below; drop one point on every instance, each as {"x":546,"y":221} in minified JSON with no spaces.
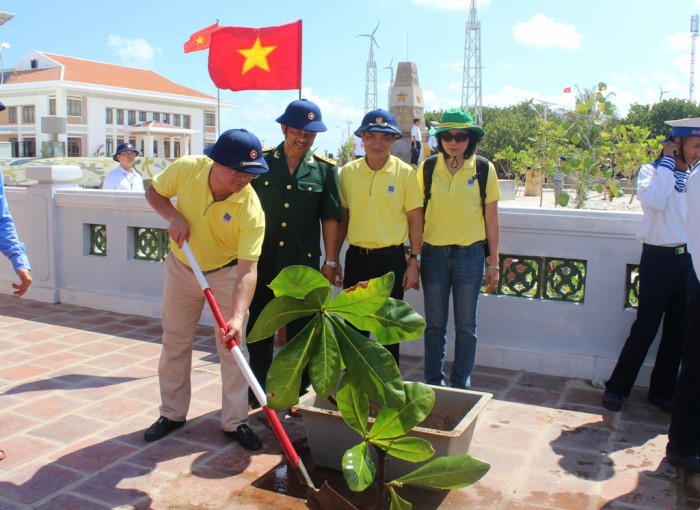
{"x":317,"y":499}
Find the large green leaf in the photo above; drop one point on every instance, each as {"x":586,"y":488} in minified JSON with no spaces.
{"x":277,"y":313}
{"x":319,"y":297}
{"x":324,"y":365}
{"x":364,"y":298}
{"x":420,"y":399}
{"x":284,"y":377}
{"x":412,"y":449}
{"x":353,"y":405}
{"x":372,"y":367}
{"x":397,"y":502}
{"x":297,"y":281}
{"x":394,"y":322}
{"x":452,"y":472}
{"x":358,"y":467}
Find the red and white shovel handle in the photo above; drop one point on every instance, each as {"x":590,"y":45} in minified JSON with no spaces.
{"x":272,"y":417}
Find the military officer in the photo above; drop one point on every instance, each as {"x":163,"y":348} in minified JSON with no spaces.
{"x":300,"y":198}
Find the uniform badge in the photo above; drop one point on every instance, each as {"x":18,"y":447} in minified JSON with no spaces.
{"x":391,"y":189}
{"x":227,"y":217}
{"x":253,"y":154}
{"x":311,"y":116}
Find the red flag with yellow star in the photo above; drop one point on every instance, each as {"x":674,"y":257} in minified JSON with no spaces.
{"x":200,"y":40}
{"x":266,"y":58}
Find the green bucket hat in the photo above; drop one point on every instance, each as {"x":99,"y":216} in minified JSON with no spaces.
{"x":458,"y":118}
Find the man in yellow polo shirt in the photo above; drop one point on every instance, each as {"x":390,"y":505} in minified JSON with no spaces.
{"x":381,"y":207}
{"x":220,"y":217}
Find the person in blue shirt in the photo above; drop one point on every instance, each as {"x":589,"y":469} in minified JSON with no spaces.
{"x":12,"y":247}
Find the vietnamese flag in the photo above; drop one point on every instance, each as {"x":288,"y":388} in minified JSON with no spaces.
{"x":266,"y":58}
{"x":567,"y":90}
{"x":200,"y":40}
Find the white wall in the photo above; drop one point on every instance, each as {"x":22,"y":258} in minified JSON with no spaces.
{"x":543,"y":336}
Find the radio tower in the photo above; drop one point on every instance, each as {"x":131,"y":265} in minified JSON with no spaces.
{"x":371,"y":80}
{"x":693,"y":36}
{"x":471,"y":81}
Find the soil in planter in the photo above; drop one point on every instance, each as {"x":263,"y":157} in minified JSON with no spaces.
{"x":435,"y":421}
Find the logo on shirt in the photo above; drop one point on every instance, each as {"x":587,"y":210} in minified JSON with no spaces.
{"x":227,"y":217}
{"x":391,"y":189}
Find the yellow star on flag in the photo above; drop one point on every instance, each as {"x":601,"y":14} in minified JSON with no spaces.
{"x":402,"y":97}
{"x":256,"y":56}
{"x":199,"y":40}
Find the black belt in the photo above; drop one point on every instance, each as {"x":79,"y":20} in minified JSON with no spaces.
{"x":234,"y":262}
{"x":671,"y":250}
{"x":377,"y":251}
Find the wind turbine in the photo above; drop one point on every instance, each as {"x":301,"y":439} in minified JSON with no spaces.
{"x":371,"y":79}
{"x":391,"y":81}
{"x":661,"y":93}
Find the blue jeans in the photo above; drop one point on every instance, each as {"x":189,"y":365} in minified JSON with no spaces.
{"x":459,"y":269}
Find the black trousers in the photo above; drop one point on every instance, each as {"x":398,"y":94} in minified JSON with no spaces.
{"x":684,"y":434}
{"x":663,"y":281}
{"x":361,"y":266}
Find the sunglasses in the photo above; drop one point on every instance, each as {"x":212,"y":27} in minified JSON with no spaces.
{"x":459,"y":137}
{"x":245,"y":175}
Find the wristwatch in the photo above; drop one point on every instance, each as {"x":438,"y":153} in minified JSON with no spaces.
{"x":415,"y":256}
{"x":331,"y":263}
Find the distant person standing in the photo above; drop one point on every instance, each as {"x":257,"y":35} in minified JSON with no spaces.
{"x":416,"y":140}
{"x":663,"y":270}
{"x":432,"y":141}
{"x":359,"y":147}
{"x":124,"y":177}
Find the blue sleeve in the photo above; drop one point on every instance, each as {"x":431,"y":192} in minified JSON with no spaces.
{"x":10,"y":244}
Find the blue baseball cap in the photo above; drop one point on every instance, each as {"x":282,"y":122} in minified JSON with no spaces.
{"x":379,"y":121}
{"x":238,"y":149}
{"x":125,"y":147}
{"x":303,"y":114}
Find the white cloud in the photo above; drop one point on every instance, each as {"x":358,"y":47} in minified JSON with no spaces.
{"x":544,"y":32}
{"x":451,"y":5}
{"x":135,"y":52}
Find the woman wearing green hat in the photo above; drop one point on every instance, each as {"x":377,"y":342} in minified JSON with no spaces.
{"x":456,"y":228}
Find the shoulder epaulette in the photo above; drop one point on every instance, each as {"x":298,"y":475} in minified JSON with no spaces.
{"x":268,"y":149}
{"x":325,"y":159}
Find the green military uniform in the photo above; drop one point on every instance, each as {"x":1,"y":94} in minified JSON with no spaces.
{"x":295,"y":205}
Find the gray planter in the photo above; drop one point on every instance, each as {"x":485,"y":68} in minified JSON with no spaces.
{"x":329,"y":437}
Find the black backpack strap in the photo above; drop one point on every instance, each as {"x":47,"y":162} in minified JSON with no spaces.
{"x":428,"y":169}
{"x":482,"y":175}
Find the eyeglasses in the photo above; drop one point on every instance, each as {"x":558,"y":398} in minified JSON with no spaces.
{"x":459,"y":137}
{"x":244,"y":175}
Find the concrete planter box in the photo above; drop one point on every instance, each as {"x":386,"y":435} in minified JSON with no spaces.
{"x":507,"y":189}
{"x":329,"y":437}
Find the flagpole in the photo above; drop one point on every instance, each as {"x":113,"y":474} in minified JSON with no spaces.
{"x":218,"y":112}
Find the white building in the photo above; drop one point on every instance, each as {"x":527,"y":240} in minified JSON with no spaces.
{"x":66,"y":106}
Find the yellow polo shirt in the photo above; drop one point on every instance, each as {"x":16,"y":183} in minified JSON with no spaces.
{"x":454,"y":212}
{"x":378,"y":202}
{"x":219,"y":231}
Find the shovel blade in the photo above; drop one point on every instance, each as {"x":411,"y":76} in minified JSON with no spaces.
{"x":326,"y":498}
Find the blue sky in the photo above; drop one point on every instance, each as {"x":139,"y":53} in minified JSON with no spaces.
{"x":530,"y":49}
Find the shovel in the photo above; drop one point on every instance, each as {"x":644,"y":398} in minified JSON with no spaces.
{"x":324,"y":498}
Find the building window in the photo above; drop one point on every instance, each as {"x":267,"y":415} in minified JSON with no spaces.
{"x":26,"y":148}
{"x":166,"y":118}
{"x":176,"y":120}
{"x":210,"y":119}
{"x":120,"y":117}
{"x":109,"y":147}
{"x":142,"y":116}
{"x":156,"y":116}
{"x":110,"y":116}
{"x":132,"y":118}
{"x":176,"y":149}
{"x":74,"y":147}
{"x":52,"y":106}
{"x":28,"y":114}
{"x":166,"y":148}
{"x":186,"y":121}
{"x":155,"y":148}
{"x":12,"y":115}
{"x":74,"y":107}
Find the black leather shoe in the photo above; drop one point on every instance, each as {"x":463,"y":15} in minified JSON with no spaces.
{"x":246,"y":437}
{"x":689,"y":462}
{"x":663,"y":403}
{"x":612,"y":401}
{"x":162,"y":427}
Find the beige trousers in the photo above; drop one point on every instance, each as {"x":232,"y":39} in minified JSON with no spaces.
{"x":183,"y":301}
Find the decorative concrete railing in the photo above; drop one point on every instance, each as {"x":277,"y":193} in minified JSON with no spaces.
{"x":563,"y":307}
